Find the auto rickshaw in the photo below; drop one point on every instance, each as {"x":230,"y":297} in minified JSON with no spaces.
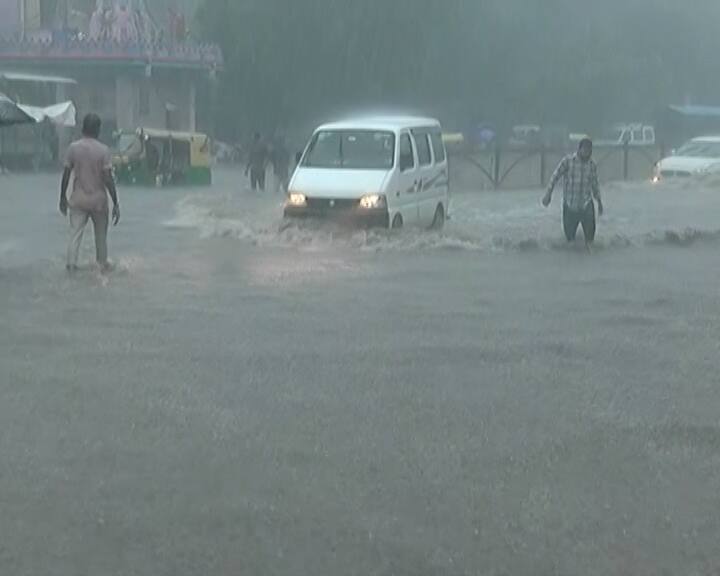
{"x":148,"y":157}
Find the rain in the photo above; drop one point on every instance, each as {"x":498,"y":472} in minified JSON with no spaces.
{"x":337,"y":331}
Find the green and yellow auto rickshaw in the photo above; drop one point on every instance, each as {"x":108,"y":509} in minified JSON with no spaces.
{"x":149,"y":157}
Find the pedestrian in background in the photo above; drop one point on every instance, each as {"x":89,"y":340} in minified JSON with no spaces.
{"x":257,"y":163}
{"x":280,"y":159}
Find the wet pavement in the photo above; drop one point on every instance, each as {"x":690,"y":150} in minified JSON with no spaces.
{"x":236,"y":399}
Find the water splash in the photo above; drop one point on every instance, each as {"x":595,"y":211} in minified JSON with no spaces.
{"x":492,"y":222}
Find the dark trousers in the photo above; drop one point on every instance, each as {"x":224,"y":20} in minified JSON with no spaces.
{"x":257,"y":179}
{"x":573,"y":218}
{"x":282,"y":178}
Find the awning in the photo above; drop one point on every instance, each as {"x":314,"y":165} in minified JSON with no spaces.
{"x":38,"y":78}
{"x":11,"y":113}
{"x":62,"y":114}
{"x":697,"y":111}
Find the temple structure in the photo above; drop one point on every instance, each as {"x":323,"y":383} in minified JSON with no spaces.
{"x":133,"y":66}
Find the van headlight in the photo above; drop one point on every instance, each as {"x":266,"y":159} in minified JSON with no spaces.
{"x":373,"y":201}
{"x":297,"y":200}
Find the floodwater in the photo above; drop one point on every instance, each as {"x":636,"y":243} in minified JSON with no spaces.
{"x":237,"y":400}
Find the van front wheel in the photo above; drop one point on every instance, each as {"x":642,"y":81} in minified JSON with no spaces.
{"x":439,"y":220}
{"x":397,"y":222}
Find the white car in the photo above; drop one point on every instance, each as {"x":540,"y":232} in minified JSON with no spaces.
{"x":699,"y":157}
{"x":384,"y":172}
{"x":525,"y":136}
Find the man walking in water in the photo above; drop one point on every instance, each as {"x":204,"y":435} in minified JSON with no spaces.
{"x":580,"y":178}
{"x":257,"y":163}
{"x":90,"y":161}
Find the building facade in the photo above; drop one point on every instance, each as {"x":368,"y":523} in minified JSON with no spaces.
{"x":131,"y":66}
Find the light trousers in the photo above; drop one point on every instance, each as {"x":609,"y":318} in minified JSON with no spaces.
{"x":78,"y":222}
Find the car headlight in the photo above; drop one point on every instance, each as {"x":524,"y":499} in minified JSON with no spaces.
{"x":296,"y":199}
{"x":657,"y":173}
{"x":372,"y":201}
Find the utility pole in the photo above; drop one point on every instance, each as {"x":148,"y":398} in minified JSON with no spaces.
{"x":21,"y":12}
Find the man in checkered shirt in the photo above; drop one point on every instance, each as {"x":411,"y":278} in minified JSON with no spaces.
{"x":580,"y":187}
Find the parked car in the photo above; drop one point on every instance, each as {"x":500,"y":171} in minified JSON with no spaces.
{"x":526,"y":136}
{"x":699,"y":157}
{"x":636,"y":134}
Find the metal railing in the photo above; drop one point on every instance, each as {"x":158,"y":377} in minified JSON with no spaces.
{"x":514,"y":167}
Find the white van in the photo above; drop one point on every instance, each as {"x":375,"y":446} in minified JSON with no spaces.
{"x":389,"y":171}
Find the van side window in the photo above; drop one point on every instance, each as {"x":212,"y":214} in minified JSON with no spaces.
{"x":423,"y":147}
{"x":407,"y":160}
{"x":438,"y":147}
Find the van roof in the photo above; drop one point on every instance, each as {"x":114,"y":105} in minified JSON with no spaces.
{"x":392,"y":123}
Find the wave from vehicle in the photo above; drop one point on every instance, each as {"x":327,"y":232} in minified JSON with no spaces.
{"x":488,"y":222}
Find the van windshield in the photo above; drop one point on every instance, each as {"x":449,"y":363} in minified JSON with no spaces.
{"x":351,"y":150}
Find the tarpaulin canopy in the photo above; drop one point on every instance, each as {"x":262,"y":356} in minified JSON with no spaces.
{"x":62,"y":114}
{"x":14,"y":76}
{"x":707,"y":111}
{"x":11,"y":113}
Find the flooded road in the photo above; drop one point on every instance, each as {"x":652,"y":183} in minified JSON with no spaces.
{"x":234,"y":399}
